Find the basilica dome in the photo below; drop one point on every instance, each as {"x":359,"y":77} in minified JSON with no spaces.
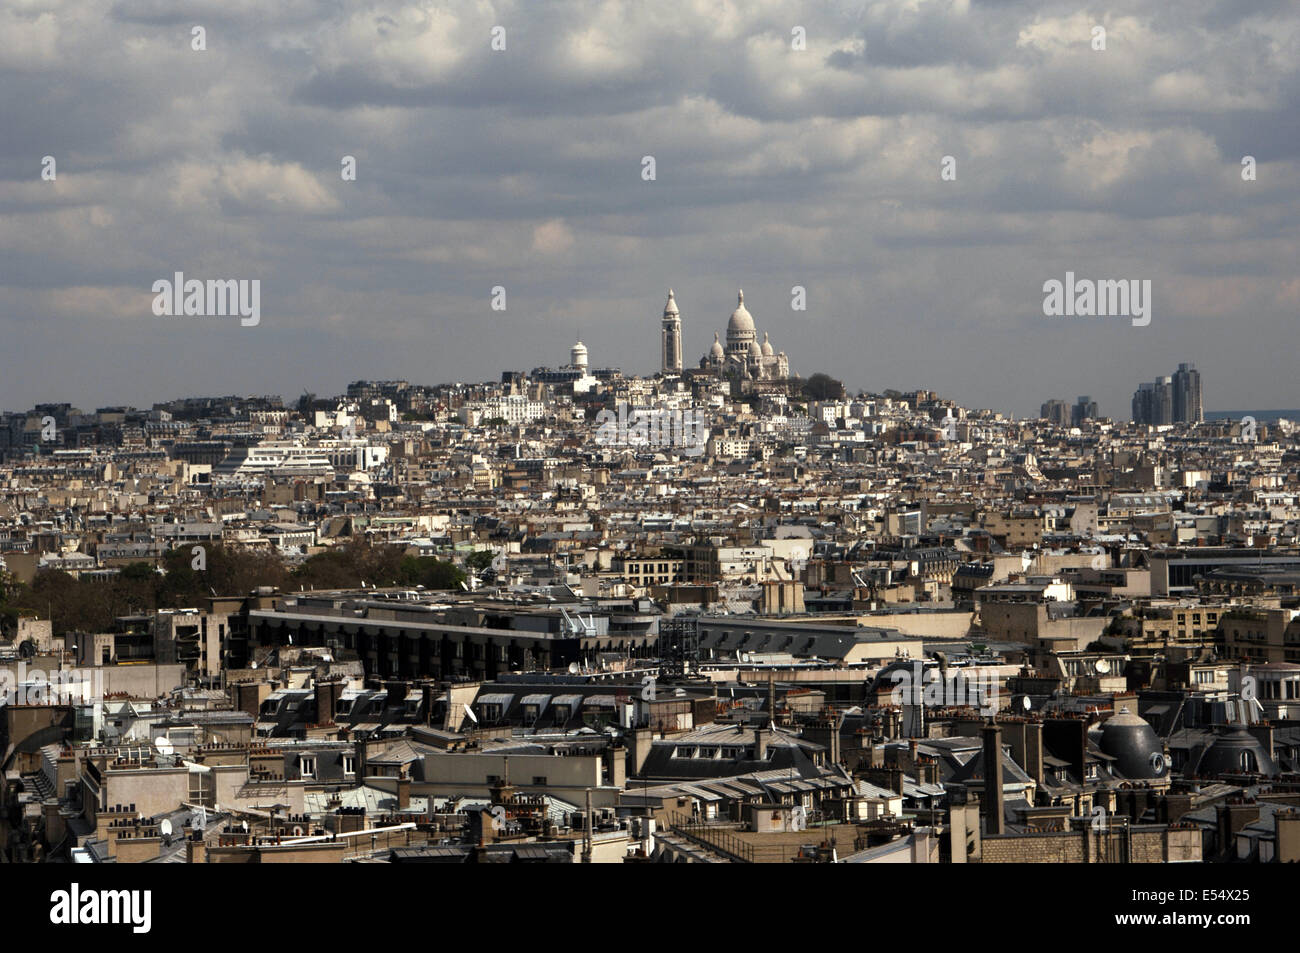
{"x":741,"y":320}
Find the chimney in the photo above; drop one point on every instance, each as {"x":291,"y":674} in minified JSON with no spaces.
{"x":328,"y":692}
{"x":1034,"y":750}
{"x":396,"y":689}
{"x":426,"y":702}
{"x":403,"y":793}
{"x":1025,"y":739}
{"x":760,"y":744}
{"x":992,"y":779}
{"x":362,"y":750}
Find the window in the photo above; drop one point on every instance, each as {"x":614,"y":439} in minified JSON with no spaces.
{"x":349,"y":765}
{"x":202,"y":788}
{"x":540,"y":780}
{"x":307,"y":766}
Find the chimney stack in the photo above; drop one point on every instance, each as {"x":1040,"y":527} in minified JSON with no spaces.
{"x":992,"y":779}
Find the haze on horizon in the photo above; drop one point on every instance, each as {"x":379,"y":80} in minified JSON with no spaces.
{"x":522,"y":168}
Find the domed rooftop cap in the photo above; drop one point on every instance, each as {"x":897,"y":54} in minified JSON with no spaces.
{"x":716,"y":349}
{"x":1233,"y":752}
{"x":671,"y":306}
{"x":767,"y":346}
{"x":741,"y":319}
{"x":1133,"y":744}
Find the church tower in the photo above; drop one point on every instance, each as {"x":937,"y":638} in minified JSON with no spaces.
{"x":672,"y":337}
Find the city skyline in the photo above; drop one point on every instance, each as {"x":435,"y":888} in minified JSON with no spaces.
{"x":921,"y":222}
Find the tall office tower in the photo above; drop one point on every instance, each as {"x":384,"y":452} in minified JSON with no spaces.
{"x":1143,"y":403}
{"x":1056,"y":413}
{"x":1162,"y":410}
{"x":1187,"y":395}
{"x":672,"y":337}
{"x":1084,"y":409}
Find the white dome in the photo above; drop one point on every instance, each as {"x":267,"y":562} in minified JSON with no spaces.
{"x":741,"y":320}
{"x":671,"y":306}
{"x":767,"y":346}
{"x":716,"y":350}
{"x":755,"y":352}
{"x":578,"y":355}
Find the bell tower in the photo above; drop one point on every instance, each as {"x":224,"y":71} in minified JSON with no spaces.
{"x":671,"y":337}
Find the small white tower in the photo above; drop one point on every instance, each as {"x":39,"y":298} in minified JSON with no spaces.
{"x":578,"y":356}
{"x":672,"y":337}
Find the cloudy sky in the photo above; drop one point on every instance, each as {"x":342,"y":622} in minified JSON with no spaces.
{"x":774,"y":167}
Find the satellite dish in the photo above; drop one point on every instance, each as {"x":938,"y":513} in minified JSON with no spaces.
{"x":1026,"y":704}
{"x":574,"y":669}
{"x":244,"y":825}
{"x":165,"y":827}
{"x":163,"y":745}
{"x":1102,"y":666}
{"x":470,"y":711}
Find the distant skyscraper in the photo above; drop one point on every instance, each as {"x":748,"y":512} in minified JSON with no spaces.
{"x":1187,"y":395}
{"x":1084,"y":409}
{"x":1055,"y":412}
{"x":672,"y":337}
{"x":1170,"y":400}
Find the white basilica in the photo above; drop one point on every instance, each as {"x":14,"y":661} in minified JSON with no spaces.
{"x":744,"y":358}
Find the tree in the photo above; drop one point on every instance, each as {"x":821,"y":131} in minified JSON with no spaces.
{"x":823,"y":387}
{"x":430,"y":572}
{"x":480,"y":559}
